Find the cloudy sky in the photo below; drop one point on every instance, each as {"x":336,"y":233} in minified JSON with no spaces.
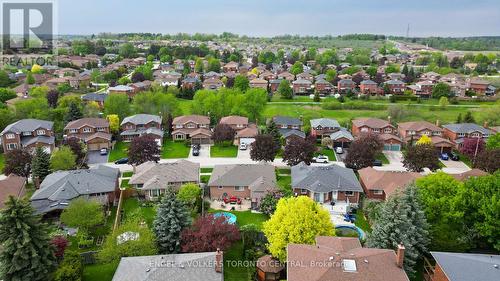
{"x":275,"y":17}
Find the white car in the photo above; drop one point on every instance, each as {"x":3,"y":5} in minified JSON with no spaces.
{"x":339,"y":150}
{"x":243,"y":146}
{"x":103,"y":151}
{"x":321,"y":159}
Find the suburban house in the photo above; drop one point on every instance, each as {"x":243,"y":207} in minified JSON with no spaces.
{"x":368,"y":87}
{"x":380,"y":127}
{"x":141,"y":124}
{"x":141,"y":86}
{"x":462,"y":267}
{"x":324,"y":184}
{"x":13,"y":186}
{"x":236,"y":122}
{"x":122,"y":89}
{"x":287,"y":125}
{"x":28,"y":133}
{"x":259,"y":83}
{"x":458,"y":132}
{"x":345,"y":85}
{"x":58,"y":189}
{"x":341,"y":138}
{"x":343,"y":258}
{"x":249,"y":181}
{"x":379,"y":185}
{"x":301,"y":86}
{"x":246,"y":135}
{"x":323,"y":127}
{"x":305,"y":76}
{"x":422,"y":89}
{"x":274,"y":85}
{"x":94,"y":97}
{"x":212,"y":83}
{"x":267,"y":75}
{"x":231,"y":67}
{"x":206,"y":266}
{"x":194,"y":127}
{"x":153,"y":179}
{"x":94,"y":132}
{"x":481,"y":87}
{"x":412,"y":131}
{"x":469,"y":174}
{"x":323,"y":87}
{"x":286,"y":76}
{"x":395,"y":86}
{"x":190,"y":82}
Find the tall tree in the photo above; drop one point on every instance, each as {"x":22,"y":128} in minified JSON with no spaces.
{"x":299,"y":150}
{"x":488,"y":160}
{"x":52,"y":97}
{"x":402,"y":220}
{"x":441,"y":90}
{"x":493,"y":141}
{"x":223,"y":133}
{"x":77,"y":147}
{"x":296,"y":220}
{"x":468,"y":118}
{"x":209,"y":233}
{"x":143,"y":149}
{"x":241,"y":82}
{"x":74,"y":112}
{"x":263,"y":148}
{"x":273,"y":131}
{"x":171,"y":218}
{"x":63,"y":159}
{"x":83,"y":213}
{"x":26,"y":253}
{"x":40,"y":165}
{"x":363,"y":151}
{"x":472,"y":147}
{"x":418,"y":157}
{"x":117,"y":104}
{"x":18,"y":162}
{"x":285,"y":90}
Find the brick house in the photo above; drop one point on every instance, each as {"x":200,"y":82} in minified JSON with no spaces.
{"x":378,"y":185}
{"x":368,"y":87}
{"x":324,"y":127}
{"x":94,"y":97}
{"x":325,"y":184}
{"x":345,"y":85}
{"x":28,"y":133}
{"x":323,"y":87}
{"x":460,"y":267}
{"x":122,"y":89}
{"x":395,"y":86}
{"x":141,"y":124}
{"x":274,"y":84}
{"x":480,"y":87}
{"x":212,"y":83}
{"x":152,"y":179}
{"x":380,"y":127}
{"x":248,"y":181}
{"x":422,"y":89}
{"x":458,"y":132}
{"x":412,"y":131}
{"x":267,"y":75}
{"x":94,"y":132}
{"x":190,"y":82}
{"x":305,"y":76}
{"x":231,"y":67}
{"x":287,"y":76}
{"x":194,"y":127}
{"x":259,"y":83}
{"x":286,"y":124}
{"x":301,"y":87}
{"x":236,"y":122}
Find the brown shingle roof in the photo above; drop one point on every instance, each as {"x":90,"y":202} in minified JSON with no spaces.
{"x":388,"y":181}
{"x":371,"y":122}
{"x":419,"y":125}
{"x":198,"y":119}
{"x":92,"y":122}
{"x":11,"y":186}
{"x":468,"y":174}
{"x":234,"y":120}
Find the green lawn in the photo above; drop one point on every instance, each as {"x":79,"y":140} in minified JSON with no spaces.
{"x":173,"y":149}
{"x":382,"y":158}
{"x":206,"y":170}
{"x":285,"y":184}
{"x":204,"y":178}
{"x":284,"y":171}
{"x":125,"y":184}
{"x":246,"y":217}
{"x":127,"y":174}
{"x":120,"y":150}
{"x":233,"y":257}
{"x":132,"y":207}
{"x":2,"y":162}
{"x":223,"y":151}
{"x":99,"y":272}
{"x":327,"y":152}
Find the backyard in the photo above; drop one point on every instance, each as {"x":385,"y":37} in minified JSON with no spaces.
{"x":172,"y":149}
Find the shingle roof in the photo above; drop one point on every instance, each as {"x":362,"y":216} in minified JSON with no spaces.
{"x":11,"y":186}
{"x":28,"y":125}
{"x":292,"y":132}
{"x":368,"y":82}
{"x":175,"y":267}
{"x":234,"y":120}
{"x":375,"y":123}
{"x":140,"y":119}
{"x":342,"y":133}
{"x":418,"y":126}
{"x":388,"y":181}
{"x":256,"y":176}
{"x":285,"y":120}
{"x":121,"y":88}
{"x":468,"y":267}
{"x":92,"y":122}
{"x":467,"y":128}
{"x":198,"y":119}
{"x":324,"y":178}
{"x":325,"y":122}
{"x":94,"y":97}
{"x":150,"y":173}
{"x":26,"y":141}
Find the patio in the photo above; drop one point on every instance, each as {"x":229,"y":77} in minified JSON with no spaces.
{"x":220,"y":205}
{"x":337,"y":212}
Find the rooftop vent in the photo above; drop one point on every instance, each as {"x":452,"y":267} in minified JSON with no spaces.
{"x":349,"y":265}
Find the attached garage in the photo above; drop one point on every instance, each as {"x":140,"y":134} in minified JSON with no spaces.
{"x":201,"y":136}
{"x":392,"y":147}
{"x":391,"y":142}
{"x":98,"y":141}
{"x":247,"y":141}
{"x":97,"y":146}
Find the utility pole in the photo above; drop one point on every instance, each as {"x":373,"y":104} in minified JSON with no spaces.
{"x":408,"y":31}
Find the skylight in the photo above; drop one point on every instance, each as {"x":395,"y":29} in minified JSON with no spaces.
{"x":349,"y":265}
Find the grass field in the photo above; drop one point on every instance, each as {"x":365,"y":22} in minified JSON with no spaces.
{"x":132,"y":207}
{"x":218,"y":150}
{"x":99,"y":272}
{"x":327,"y":152}
{"x":172,"y":149}
{"x":120,"y":150}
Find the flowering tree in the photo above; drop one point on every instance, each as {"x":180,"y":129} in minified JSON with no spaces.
{"x":472,"y":146}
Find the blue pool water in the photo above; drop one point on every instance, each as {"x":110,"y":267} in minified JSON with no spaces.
{"x":361,"y":233}
{"x":230,"y":218}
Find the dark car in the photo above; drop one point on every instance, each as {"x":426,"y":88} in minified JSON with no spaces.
{"x":196,"y":150}
{"x":454,"y":156}
{"x":122,"y":161}
{"x":377,"y":163}
{"x":444,"y":156}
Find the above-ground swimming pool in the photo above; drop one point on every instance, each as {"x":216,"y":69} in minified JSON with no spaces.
{"x":230,"y":218}
{"x":348,"y":227}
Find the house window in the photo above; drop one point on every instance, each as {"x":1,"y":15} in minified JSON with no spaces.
{"x":387,"y":131}
{"x":303,"y":191}
{"x":154,"y":193}
{"x":239,"y":126}
{"x":427,"y":133}
{"x":10,"y":136}
{"x":87,"y":130}
{"x":101,"y":129}
{"x":203,"y":125}
{"x":376,"y":130}
{"x":436,"y":133}
{"x":73,"y":131}
{"x":461,"y":135}
{"x":475,"y":135}
{"x":239,"y":188}
{"x":178,"y":137}
{"x":364,"y":129}
{"x":284,"y":126}
{"x":178,"y":126}
{"x":191,"y":126}
{"x":295,"y":127}
{"x":130,"y":127}
{"x":11,"y":146}
{"x":378,"y":192}
{"x":220,"y":187}
{"x":349,"y":193}
{"x":26,"y":133}
{"x":40,"y":132}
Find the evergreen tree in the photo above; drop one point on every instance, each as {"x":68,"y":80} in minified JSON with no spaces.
{"x":272,"y":130}
{"x":40,"y":164}
{"x":405,"y":70}
{"x":459,"y":118}
{"x":74,"y":112}
{"x":171,"y":219}
{"x":411,"y":75}
{"x":26,"y":253}
{"x":468,"y":118}
{"x":402,"y":221}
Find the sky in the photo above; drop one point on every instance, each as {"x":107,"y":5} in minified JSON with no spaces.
{"x":448,"y":18}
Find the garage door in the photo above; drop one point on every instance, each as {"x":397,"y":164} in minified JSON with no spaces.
{"x":246,"y":140}
{"x":392,"y":147}
{"x":93,"y":146}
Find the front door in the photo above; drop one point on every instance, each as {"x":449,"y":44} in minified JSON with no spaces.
{"x":317,"y":197}
{"x":334,"y":195}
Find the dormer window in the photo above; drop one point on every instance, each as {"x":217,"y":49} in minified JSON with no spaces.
{"x":101,"y":129}
{"x":26,"y":133}
{"x":387,"y":130}
{"x":376,"y":130}
{"x":87,"y":130}
{"x":10,"y":136}
{"x":40,"y":132}
{"x":191,"y":126}
{"x":284,"y":126}
{"x":178,"y":126}
{"x":73,"y":131}
{"x":364,"y":129}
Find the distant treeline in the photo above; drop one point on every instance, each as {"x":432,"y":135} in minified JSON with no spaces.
{"x":484,"y":43}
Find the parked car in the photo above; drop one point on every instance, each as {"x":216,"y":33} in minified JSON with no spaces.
{"x":339,"y":150}
{"x":243,"y":146}
{"x":454,"y":156}
{"x":196,"y":150}
{"x":377,"y":163}
{"x":122,"y":161}
{"x":444,"y":156}
{"x":321,"y":159}
{"x":103,"y":151}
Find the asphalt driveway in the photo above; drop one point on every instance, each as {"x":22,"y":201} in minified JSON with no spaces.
{"x":94,"y":157}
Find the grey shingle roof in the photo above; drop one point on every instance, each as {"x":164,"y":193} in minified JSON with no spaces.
{"x":94,"y":97}
{"x":152,"y":175}
{"x":243,"y":175}
{"x":28,"y":125}
{"x":285,"y":120}
{"x":342,"y":133}
{"x":292,"y":132}
{"x":468,"y":267}
{"x":58,"y":188}
{"x":140,"y":132}
{"x":139,"y":119}
{"x":467,"y":128}
{"x":324,"y":178}
{"x":175,"y":267}
{"x":26,"y":141}
{"x":325,"y":122}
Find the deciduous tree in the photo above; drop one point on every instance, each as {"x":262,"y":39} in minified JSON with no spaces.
{"x":285,"y":90}
{"x":418,"y":157}
{"x":63,"y":159}
{"x":299,"y":150}
{"x":77,"y":147}
{"x":269,"y":202}
{"x":209,"y":233}
{"x":493,"y":141}
{"x":488,"y":160}
{"x":441,"y":90}
{"x":74,"y":112}
{"x":363,"y":150}
{"x":117,"y":104}
{"x":18,"y":162}
{"x":297,"y":220}
{"x":83,"y":213}
{"x":114,"y":123}
{"x":472,"y":146}
{"x":143,"y":149}
{"x":241,"y":82}
{"x":263,"y":148}
{"x":52,"y":97}
{"x":223,"y":133}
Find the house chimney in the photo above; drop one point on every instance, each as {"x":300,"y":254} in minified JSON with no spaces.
{"x":400,"y":255}
{"x":37,"y":182}
{"x":218,"y":261}
{"x":437,"y":122}
{"x":485,"y":124}
{"x":389,"y":119}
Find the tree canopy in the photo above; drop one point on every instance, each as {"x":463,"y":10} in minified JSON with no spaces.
{"x":83,"y":213}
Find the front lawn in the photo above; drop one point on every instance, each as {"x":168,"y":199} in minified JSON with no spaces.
{"x":99,"y":272}
{"x":327,"y":152}
{"x":381,"y":157}
{"x":172,"y":149}
{"x":206,"y":170}
{"x":219,"y":150}
{"x":120,"y":150}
